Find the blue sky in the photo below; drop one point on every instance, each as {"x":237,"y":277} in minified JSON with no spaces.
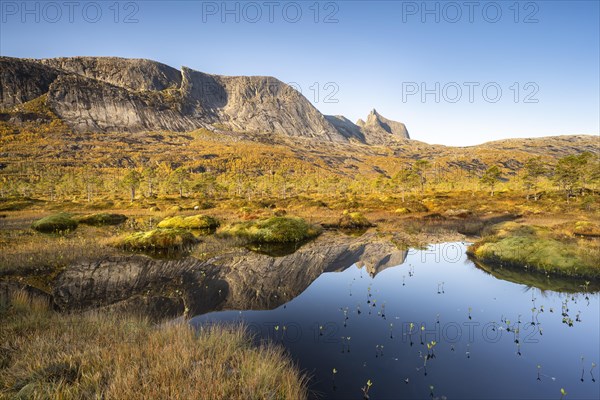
{"x":348,"y":57}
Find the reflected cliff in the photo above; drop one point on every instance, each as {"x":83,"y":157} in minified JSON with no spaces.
{"x":534,"y":279}
{"x":236,"y":279}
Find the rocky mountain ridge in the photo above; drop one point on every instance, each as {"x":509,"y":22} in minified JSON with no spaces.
{"x":377,"y":130}
{"x":102,"y":94}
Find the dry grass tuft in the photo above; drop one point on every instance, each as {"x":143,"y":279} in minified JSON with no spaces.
{"x":354,"y":220}
{"x":25,"y":251}
{"x":47,"y":355}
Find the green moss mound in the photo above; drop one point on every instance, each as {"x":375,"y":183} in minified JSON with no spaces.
{"x":535,"y":248}
{"x":102,"y":219}
{"x":354,"y":220}
{"x":193,"y":222}
{"x":159,"y":241}
{"x":61,"y":222}
{"x":274,"y":230}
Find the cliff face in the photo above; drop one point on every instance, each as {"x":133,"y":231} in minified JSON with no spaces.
{"x":101,"y":94}
{"x":377,"y":130}
{"x":346,"y":127}
{"x":88,"y":105}
{"x":23,"y":80}
{"x":113,"y":94}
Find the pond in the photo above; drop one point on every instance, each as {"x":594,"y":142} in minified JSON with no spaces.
{"x":436,"y":326}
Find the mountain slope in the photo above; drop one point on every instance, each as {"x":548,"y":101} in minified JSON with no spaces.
{"x":100,"y":94}
{"x":113,"y":112}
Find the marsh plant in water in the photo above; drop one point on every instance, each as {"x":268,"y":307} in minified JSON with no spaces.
{"x":365,"y":389}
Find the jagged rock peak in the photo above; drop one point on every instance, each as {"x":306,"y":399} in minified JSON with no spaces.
{"x":378,"y":128}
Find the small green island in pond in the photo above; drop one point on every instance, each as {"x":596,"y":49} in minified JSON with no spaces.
{"x":565,"y":250}
{"x":273,"y":230}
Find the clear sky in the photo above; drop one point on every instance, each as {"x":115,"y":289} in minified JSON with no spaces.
{"x":456,"y":73}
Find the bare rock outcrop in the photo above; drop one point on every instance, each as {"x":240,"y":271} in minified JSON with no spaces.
{"x":89,"y":105}
{"x":23,"y":80}
{"x":100,"y":94}
{"x":380,"y":130}
{"x":255,"y":104}
{"x":346,"y":127}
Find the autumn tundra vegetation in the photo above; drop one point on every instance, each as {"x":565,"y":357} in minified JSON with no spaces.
{"x":68,"y":197}
{"x":46,"y":354}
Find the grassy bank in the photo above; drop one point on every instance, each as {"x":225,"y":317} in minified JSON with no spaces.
{"x":191,"y":222}
{"x":158,"y":241}
{"x":552,"y":251}
{"x":273,"y":230}
{"x":48,"y":355}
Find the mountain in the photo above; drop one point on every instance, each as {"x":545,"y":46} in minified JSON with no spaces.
{"x":91,"y":110}
{"x":378,"y":130}
{"x":346,"y":127}
{"x":102,"y":94}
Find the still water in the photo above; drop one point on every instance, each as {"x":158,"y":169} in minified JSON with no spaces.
{"x":437,"y":326}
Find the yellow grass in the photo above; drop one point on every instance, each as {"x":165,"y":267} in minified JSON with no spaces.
{"x":99,"y":355}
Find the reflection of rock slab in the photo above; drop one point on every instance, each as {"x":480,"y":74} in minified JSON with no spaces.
{"x":244,"y":280}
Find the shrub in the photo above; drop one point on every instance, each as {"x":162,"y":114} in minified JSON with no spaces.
{"x":61,"y":222}
{"x":203,"y":205}
{"x":416,"y":206}
{"x":460,"y":213}
{"x":102,"y":219}
{"x":193,"y":222}
{"x":247,"y":213}
{"x":160,"y":241}
{"x":279,"y":212}
{"x":274,"y":230}
{"x":353,"y":220}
